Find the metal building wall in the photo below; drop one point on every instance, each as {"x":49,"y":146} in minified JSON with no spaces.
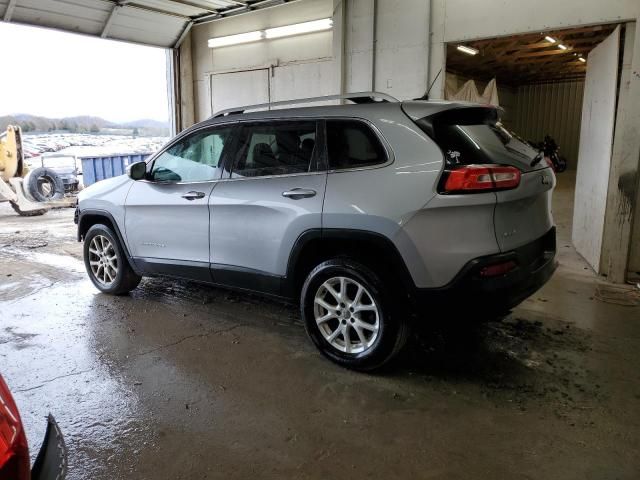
{"x":554,"y":109}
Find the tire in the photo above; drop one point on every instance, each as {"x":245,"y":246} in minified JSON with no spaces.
{"x":116,"y":277}
{"x":379,"y":308}
{"x":43,"y":185}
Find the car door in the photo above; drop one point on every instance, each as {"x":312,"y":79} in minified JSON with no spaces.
{"x":271,"y":194}
{"x":167,"y":214}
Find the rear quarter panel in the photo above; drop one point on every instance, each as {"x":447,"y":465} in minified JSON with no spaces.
{"x":384,"y":199}
{"x":524,"y":214}
{"x":449,"y":232}
{"x":436,"y":235}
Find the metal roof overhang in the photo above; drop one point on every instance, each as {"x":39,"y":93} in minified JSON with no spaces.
{"x":159,"y":23}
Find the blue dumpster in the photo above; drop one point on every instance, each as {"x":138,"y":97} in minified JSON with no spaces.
{"x":101,"y":167}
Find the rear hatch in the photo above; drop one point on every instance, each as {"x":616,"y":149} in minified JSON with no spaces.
{"x":473,"y":135}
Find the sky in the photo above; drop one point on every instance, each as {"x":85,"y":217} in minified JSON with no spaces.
{"x":56,"y":74}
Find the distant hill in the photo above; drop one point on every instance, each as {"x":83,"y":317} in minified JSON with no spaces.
{"x":80,"y":124}
{"x":146,"y":123}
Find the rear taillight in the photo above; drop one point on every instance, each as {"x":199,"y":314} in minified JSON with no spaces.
{"x":14,"y":452}
{"x":498,"y":269}
{"x":480,"y":178}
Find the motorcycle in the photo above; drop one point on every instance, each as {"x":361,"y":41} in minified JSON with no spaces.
{"x":550,"y":150}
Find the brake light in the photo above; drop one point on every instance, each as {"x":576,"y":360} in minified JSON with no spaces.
{"x":14,"y":452}
{"x":481,"y":178}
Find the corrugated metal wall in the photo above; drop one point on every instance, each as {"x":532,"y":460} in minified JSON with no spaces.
{"x":554,"y":109}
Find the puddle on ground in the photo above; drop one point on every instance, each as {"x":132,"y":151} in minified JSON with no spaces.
{"x":519,"y":359}
{"x":65,"y":263}
{"x":97,"y":409}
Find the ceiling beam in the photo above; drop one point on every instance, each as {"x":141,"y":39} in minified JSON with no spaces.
{"x":133,"y":4}
{"x":244,"y":7}
{"x":8,"y":13}
{"x":184,"y":33}
{"x":557,"y":51}
{"x":194,"y":5}
{"x":109,"y":22}
{"x":603,"y":29}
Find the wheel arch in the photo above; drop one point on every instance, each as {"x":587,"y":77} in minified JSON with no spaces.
{"x":88,"y":218}
{"x":369,"y":248}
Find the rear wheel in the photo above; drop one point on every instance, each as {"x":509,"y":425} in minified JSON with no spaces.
{"x":350,"y":316}
{"x":106,"y":262}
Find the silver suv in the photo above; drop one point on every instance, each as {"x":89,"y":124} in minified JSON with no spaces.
{"x":373,"y":214}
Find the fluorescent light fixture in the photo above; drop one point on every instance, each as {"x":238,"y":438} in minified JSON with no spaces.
{"x":467,"y":50}
{"x":298,"y":28}
{"x":562,"y":47}
{"x":235,"y":39}
{"x":550,"y":39}
{"x":277,"y":32}
{"x":584,"y":60}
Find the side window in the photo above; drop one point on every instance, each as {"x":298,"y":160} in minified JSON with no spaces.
{"x":193,"y":159}
{"x":352,"y":145}
{"x":278,"y":148}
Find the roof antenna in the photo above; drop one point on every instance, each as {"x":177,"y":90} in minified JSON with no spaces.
{"x":426,"y":95}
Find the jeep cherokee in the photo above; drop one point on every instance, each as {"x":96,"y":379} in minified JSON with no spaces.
{"x":371,"y":214}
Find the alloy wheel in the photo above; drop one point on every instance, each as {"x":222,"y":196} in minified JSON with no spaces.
{"x":103,"y":260}
{"x":347,"y":315}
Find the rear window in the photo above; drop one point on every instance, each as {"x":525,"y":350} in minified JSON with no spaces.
{"x":352,"y":144}
{"x":476,"y":136}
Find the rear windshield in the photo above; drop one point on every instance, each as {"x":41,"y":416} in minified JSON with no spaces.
{"x":476,"y":136}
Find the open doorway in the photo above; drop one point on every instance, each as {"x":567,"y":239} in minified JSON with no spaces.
{"x":557,"y":89}
{"x":76,"y":97}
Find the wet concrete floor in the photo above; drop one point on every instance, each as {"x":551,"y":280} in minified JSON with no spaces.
{"x":182,"y":381}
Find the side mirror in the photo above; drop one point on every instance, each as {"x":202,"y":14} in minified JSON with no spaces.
{"x":137,"y":171}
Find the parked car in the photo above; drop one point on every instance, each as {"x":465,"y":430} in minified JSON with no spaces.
{"x":66,"y":166}
{"x":51,"y":462}
{"x":371,"y":215}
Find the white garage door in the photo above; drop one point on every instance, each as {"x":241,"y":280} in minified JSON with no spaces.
{"x":596,"y":140}
{"x":286,"y":82}
{"x":237,"y":89}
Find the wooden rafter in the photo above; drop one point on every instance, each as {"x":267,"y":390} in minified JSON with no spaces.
{"x":529,"y":57}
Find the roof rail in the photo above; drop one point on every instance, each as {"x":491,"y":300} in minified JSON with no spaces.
{"x":360,"y":97}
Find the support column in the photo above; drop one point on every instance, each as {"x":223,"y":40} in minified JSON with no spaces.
{"x":186,"y":100}
{"x":360,"y":29}
{"x":339,"y":19}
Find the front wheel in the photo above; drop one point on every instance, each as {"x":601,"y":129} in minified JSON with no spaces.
{"x":106,"y":262}
{"x":350,"y":316}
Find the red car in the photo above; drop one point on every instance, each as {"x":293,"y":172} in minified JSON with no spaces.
{"x":51,"y":462}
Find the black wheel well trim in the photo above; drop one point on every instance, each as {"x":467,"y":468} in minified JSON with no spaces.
{"x":375,"y":239}
{"x":112,"y":220}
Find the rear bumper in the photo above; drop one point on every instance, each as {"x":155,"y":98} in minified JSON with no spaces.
{"x":535,"y":264}
{"x":51,"y":462}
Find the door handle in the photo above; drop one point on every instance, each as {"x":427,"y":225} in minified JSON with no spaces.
{"x":193,"y":195}
{"x":298,"y":193}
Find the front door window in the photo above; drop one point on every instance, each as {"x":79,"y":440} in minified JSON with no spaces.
{"x":194,"y":159}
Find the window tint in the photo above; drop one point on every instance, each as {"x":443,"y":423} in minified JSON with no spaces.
{"x":275,"y":149}
{"x":352,"y":145}
{"x":475,"y":135}
{"x":193,"y":159}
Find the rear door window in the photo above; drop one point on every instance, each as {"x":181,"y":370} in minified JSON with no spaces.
{"x":352,"y":144}
{"x":278,"y":148}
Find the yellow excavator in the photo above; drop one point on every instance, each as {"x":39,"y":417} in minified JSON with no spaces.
{"x":14,"y":175}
